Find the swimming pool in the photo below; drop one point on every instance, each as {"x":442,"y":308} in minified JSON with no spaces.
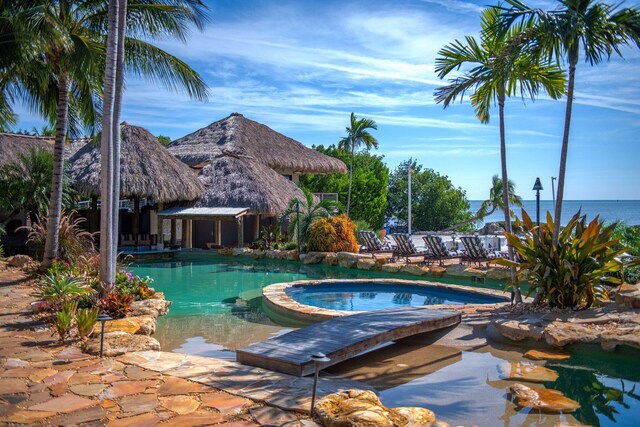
{"x":217,"y":307}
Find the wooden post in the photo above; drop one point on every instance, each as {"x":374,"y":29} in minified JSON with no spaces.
{"x":160,"y":238}
{"x":189,"y":234}
{"x":256,"y":231}
{"x":93,"y":215}
{"x":240,"y":222}
{"x":185,"y":236}
{"x":173,"y":232}
{"x":218,"y":232}
{"x":135,"y":223}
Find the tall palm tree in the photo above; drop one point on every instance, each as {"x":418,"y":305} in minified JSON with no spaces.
{"x":494,"y":202}
{"x":598,"y":29}
{"x":500,"y":67}
{"x":69,"y":36}
{"x":357,"y":136}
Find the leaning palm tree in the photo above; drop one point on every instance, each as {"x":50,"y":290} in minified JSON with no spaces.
{"x":500,"y":66}
{"x":357,"y":136}
{"x":70,"y":39}
{"x":599,"y":29}
{"x":303,"y":213}
{"x":494,"y":202}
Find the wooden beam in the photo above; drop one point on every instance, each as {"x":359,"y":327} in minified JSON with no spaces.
{"x":256,"y":231}
{"x":185,"y":236}
{"x":160,"y":242}
{"x":240,"y":222}
{"x":174,"y":227}
{"x":189,"y":234}
{"x":219,"y":232}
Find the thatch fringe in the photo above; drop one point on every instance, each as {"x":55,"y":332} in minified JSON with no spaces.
{"x":147,"y":169}
{"x":238,"y":134}
{"x":11,"y":145}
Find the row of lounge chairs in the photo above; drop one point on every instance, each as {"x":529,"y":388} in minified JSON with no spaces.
{"x":436,"y":251}
{"x":139,"y":240}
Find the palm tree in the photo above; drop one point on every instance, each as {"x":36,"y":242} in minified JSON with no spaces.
{"x":303,"y":213}
{"x":597,"y":28}
{"x":357,"y":136}
{"x":494,"y":202}
{"x":501,"y":65}
{"x":70,"y":39}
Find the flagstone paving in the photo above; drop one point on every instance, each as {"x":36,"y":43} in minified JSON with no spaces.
{"x":45,"y":383}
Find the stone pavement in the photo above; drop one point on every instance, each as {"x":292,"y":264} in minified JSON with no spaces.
{"x":45,"y":383}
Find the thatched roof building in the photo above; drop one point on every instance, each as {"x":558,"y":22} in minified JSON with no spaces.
{"x":13,"y":144}
{"x":236,"y":181}
{"x":147,"y":169}
{"x":237,"y":134}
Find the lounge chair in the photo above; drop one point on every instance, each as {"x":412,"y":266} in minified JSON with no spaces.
{"x":406,"y":249}
{"x":127,"y":240}
{"x":144,"y":240}
{"x":476,"y":252}
{"x":372,"y":245}
{"x":439,"y":251}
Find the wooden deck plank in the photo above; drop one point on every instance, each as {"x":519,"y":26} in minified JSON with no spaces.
{"x":342,"y":338}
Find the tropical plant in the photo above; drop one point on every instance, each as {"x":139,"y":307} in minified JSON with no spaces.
{"x":335,"y":234}
{"x":369,"y":182}
{"x":303,"y":213}
{"x":493,"y":203}
{"x":116,"y":304}
{"x":75,"y":242}
{"x":163,"y":139}
{"x":66,"y":41}
{"x":565,"y":273}
{"x":436,"y":203}
{"x":271,"y":237}
{"x":63,"y":321}
{"x":56,"y":291}
{"x":26,"y":183}
{"x":85,"y":320}
{"x":357,"y":136}
{"x":596,"y":28}
{"x":136,"y":286}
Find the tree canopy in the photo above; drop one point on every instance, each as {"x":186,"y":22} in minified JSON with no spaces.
{"x":436,"y":202}
{"x":369,"y":188}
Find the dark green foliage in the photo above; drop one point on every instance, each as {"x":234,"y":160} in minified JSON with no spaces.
{"x":369,"y":188}
{"x":309,"y":212}
{"x":271,"y":238}
{"x":436,"y":205}
{"x":629,"y":236}
{"x":163,"y":139}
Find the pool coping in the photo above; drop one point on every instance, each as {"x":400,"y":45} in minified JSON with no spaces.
{"x":278,"y":301}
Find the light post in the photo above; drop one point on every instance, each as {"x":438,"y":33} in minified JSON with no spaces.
{"x":410,"y":172}
{"x":298,"y":223}
{"x":318,"y":359}
{"x":103,"y":319}
{"x":537,"y":187}
{"x":553,"y":191}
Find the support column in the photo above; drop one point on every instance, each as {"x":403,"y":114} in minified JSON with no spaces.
{"x":218,"y":232}
{"x":184,"y":233}
{"x":174,"y":226}
{"x":160,"y":238}
{"x":256,"y":231}
{"x":93,"y":215}
{"x":240,"y":222}
{"x":135,"y":223}
{"x":189,"y":234}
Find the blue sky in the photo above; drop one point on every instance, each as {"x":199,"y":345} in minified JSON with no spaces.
{"x":301,"y":67}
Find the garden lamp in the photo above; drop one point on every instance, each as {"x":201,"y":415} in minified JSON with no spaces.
{"x":318,"y":359}
{"x":103,"y":319}
{"x":537,"y":187}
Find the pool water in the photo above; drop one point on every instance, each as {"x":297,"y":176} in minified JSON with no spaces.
{"x":372,"y":296}
{"x":217,"y":309}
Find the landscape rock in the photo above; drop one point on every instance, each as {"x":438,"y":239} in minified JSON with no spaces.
{"x":628,"y":295}
{"x":258,"y":254}
{"x":127,"y":325}
{"x":518,"y":331}
{"x":546,"y":355}
{"x":414,"y":270}
{"x":146,"y":323}
{"x":151,"y":307}
{"x":313,"y":257}
{"x":117,"y":343}
{"x":559,"y":334}
{"x":544,"y":400}
{"x":293,"y":255}
{"x":19,"y":260}
{"x":242,"y":252}
{"x":437,"y":270}
{"x":367,"y":264}
{"x":628,"y":335}
{"x":524,"y":371}
{"x":416,"y":416}
{"x":356,"y":408}
{"x":347,"y":260}
{"x":459,"y":270}
{"x":331,"y":258}
{"x":392,"y":267}
{"x":498,"y":274}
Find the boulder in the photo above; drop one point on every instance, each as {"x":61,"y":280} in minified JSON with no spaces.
{"x":459,"y":270}
{"x":146,"y":323}
{"x":498,"y":274}
{"x":19,"y":260}
{"x":414,"y":270}
{"x":391,"y":268}
{"x":312,"y":257}
{"x":151,"y":307}
{"x":367,"y":264}
{"x":157,"y":295}
{"x":543,"y":400}
{"x":357,"y":408}
{"x":518,"y":331}
{"x":626,"y":335}
{"x":242,"y":252}
{"x":526,"y":371}
{"x":347,"y":260}
{"x":628,"y":295}
{"x":117,"y":343}
{"x":259,"y":254}
{"x":559,"y":334}
{"x":416,"y":416}
{"x":437,"y":270}
{"x":331,"y":258}
{"x":293,"y":255}
{"x":546,"y":355}
{"x":129,"y":326}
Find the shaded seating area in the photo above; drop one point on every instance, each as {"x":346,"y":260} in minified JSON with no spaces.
{"x":439,"y":251}
{"x":370,"y":244}
{"x":476,"y":252}
{"x":407,"y":250}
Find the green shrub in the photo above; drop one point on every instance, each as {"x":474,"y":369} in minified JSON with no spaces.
{"x":567,"y":273}
{"x":62,"y":323}
{"x":335,"y":234}
{"x":56,"y":291}
{"x":85,"y":319}
{"x":135,"y":286}
{"x":290,"y":246}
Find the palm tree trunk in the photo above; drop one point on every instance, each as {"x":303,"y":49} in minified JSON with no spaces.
{"x":350,"y":180}
{"x":517,"y":296}
{"x":107,"y":269}
{"x":573,"y":60}
{"x":55,"y":204}
{"x":115,"y":127}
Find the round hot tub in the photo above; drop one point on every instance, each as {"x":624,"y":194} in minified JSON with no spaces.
{"x":312,"y":301}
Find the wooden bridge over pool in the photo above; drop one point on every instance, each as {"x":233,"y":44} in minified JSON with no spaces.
{"x":343,"y":338}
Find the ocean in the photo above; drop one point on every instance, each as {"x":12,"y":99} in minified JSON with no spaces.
{"x":627,"y":211}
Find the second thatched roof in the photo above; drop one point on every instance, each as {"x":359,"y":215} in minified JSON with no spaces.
{"x":234,"y":181}
{"x":147,"y":169}
{"x":237,"y":134}
{"x":13,"y":144}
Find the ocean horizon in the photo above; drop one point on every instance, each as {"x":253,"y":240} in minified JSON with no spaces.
{"x":627,"y":211}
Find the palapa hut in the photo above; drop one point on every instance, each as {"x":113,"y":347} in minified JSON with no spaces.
{"x":147,"y":170}
{"x":14,"y":144}
{"x":247,"y":169}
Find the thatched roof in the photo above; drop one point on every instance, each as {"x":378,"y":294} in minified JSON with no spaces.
{"x":237,"y":134}
{"x":11,"y":145}
{"x":147,"y":169}
{"x":235,"y":181}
